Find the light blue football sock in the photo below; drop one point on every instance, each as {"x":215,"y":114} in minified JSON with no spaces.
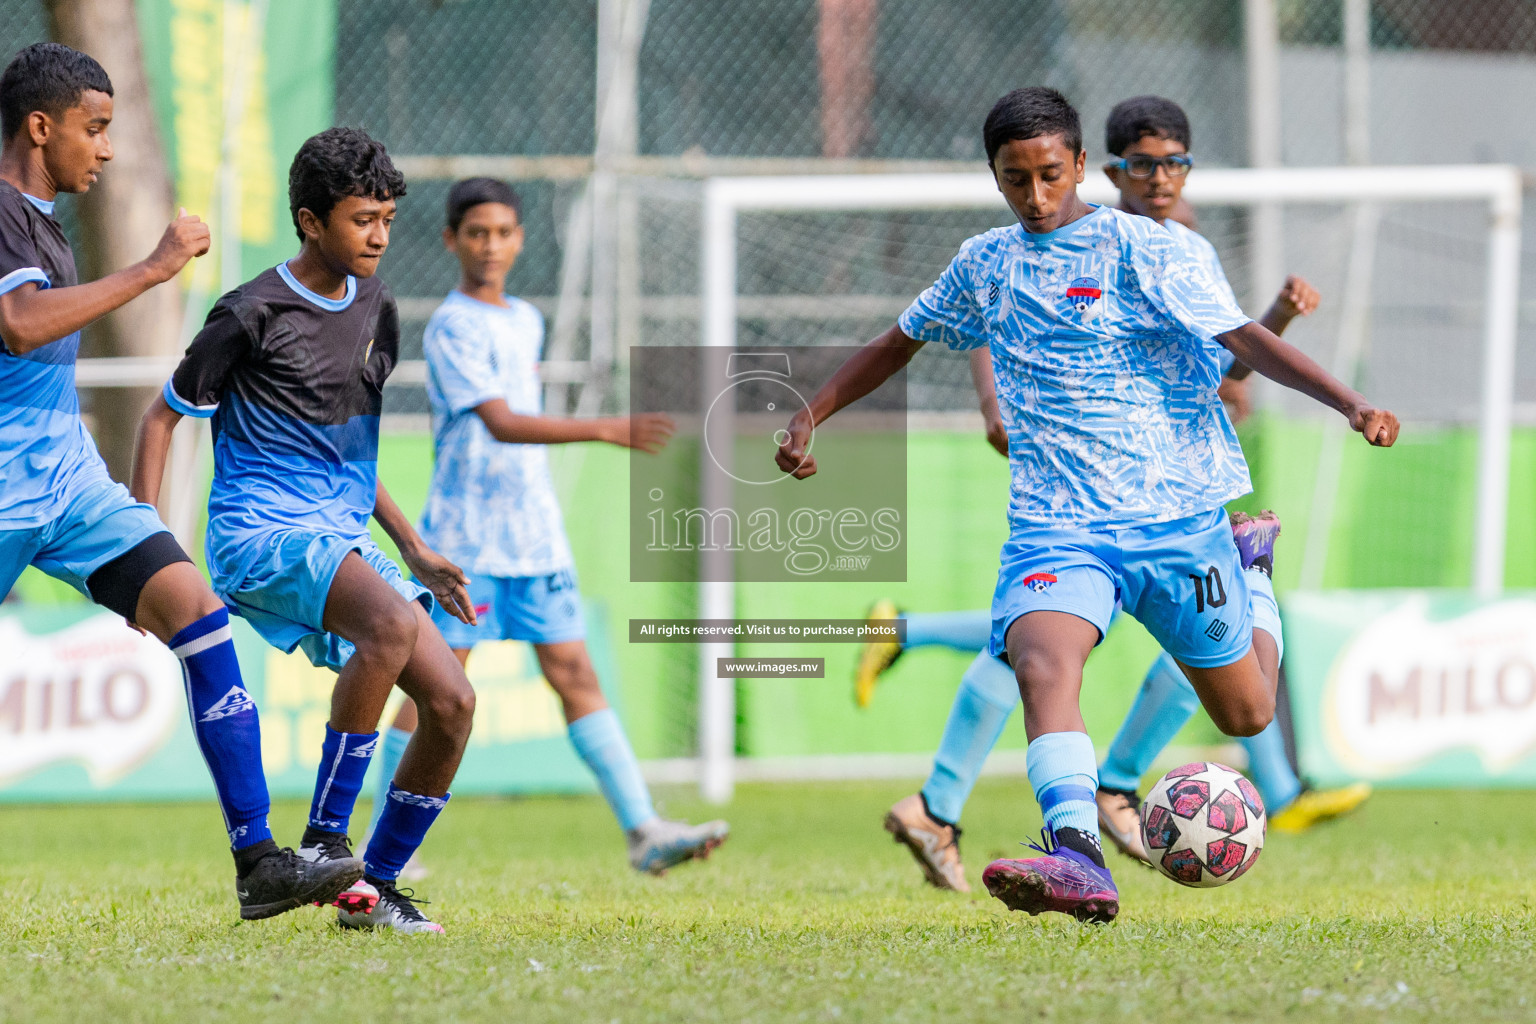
{"x":1062,"y":772}
{"x":1270,"y":769}
{"x":390,"y":752}
{"x":1266,"y":612}
{"x":1163,"y":705}
{"x":1268,"y":764}
{"x":967,"y":632}
{"x":988,"y":694}
{"x":600,"y":741}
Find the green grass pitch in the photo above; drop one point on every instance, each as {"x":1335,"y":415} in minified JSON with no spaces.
{"x":1420,"y":907}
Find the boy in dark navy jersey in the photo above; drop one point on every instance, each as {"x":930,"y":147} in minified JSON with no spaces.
{"x":59,"y":510}
{"x":291,"y":366}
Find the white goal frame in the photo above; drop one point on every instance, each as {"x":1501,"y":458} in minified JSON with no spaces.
{"x":1497,"y":186}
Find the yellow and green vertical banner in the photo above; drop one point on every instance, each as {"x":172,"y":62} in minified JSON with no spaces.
{"x":279,"y":58}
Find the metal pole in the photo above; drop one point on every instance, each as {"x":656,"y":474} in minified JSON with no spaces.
{"x":1503,"y":305}
{"x":1261,"y":38}
{"x":1349,"y":349}
{"x":620,"y":31}
{"x":1357,"y":82}
{"x":717,"y":591}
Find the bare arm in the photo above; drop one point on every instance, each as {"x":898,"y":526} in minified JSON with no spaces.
{"x":154,"y":442}
{"x":1296,"y":298}
{"x":648,"y":432}
{"x":31,"y":317}
{"x":865,"y":370}
{"x":986,"y":393}
{"x":446,"y":581}
{"x":1256,"y":346}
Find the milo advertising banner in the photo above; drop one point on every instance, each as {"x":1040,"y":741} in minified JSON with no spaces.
{"x":1413,"y":687}
{"x":90,"y":710}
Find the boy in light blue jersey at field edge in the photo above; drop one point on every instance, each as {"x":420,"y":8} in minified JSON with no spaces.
{"x":1100,"y":326}
{"x":492,"y":506}
{"x":59,"y":510}
{"x":1149,"y":138}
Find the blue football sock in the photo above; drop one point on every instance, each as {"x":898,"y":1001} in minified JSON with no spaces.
{"x":1062,"y":772}
{"x":343,"y":762}
{"x":388,"y":759}
{"x":227,"y":727}
{"x":1163,"y":704}
{"x":967,"y":632}
{"x":401,"y":828}
{"x":600,"y":741}
{"x":1270,"y":769}
{"x":987,"y":696}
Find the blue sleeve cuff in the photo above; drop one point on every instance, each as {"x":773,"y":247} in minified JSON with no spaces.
{"x":26,"y":275}
{"x":186,"y":408}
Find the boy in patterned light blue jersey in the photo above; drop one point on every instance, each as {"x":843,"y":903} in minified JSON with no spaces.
{"x":1149,"y":140}
{"x":1100,"y":326}
{"x":492,"y":507}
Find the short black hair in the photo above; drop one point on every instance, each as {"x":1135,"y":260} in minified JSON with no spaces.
{"x":471,"y":192}
{"x":49,"y":77}
{"x":1029,"y":114}
{"x":337,"y":163}
{"x":1141,"y":116}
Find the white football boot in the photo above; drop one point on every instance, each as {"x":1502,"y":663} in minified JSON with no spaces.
{"x":395,"y":909}
{"x":660,"y":844}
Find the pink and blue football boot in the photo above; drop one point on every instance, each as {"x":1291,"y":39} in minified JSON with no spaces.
{"x":1063,"y":880}
{"x":1255,"y":537}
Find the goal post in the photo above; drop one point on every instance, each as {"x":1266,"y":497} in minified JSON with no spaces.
{"x":1496,"y":187}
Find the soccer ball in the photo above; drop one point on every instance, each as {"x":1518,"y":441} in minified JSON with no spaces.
{"x":1203,"y":824}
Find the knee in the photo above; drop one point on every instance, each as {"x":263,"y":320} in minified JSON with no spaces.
{"x":1245,"y":717}
{"x":1039,"y":669}
{"x":453,"y":710}
{"x":390,"y":633}
{"x":569,"y":671}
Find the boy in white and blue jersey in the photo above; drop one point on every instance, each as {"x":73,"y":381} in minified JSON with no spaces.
{"x":290,"y":367}
{"x":492,"y":506}
{"x":59,"y":509}
{"x":1099,"y":323}
{"x":1149,"y":138}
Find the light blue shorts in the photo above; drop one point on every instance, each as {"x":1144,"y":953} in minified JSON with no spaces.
{"x":538,"y":609}
{"x":283,"y":594}
{"x":1183,"y":580}
{"x":99,"y":524}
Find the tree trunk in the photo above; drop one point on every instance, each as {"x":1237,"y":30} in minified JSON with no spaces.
{"x":845,"y":46}
{"x":123,"y":215}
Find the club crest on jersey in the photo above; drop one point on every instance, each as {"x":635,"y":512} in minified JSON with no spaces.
{"x":1083,"y":295}
{"x":1039,"y":582}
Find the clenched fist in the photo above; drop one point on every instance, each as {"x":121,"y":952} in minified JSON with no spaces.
{"x":185,"y":238}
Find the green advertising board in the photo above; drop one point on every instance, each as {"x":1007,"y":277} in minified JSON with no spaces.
{"x":1413,"y":687}
{"x":90,"y":710}
{"x":286,"y":93}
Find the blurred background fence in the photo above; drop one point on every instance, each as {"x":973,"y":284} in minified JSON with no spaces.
{"x":605,"y":113}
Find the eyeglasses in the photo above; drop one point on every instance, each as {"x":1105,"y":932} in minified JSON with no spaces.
{"x":1139,"y":166}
